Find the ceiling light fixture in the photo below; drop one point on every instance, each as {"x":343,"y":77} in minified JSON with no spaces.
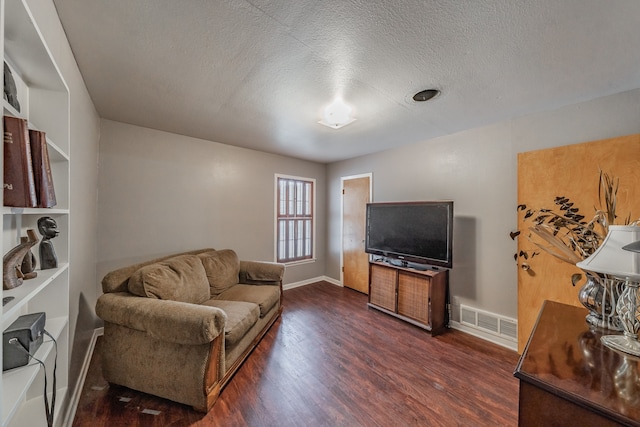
{"x":337,"y":115}
{"x":425,"y":95}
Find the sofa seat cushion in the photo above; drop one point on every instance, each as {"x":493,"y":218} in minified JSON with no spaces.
{"x":182,"y":278}
{"x":223,"y":269}
{"x":266,"y":296}
{"x":241,"y":316}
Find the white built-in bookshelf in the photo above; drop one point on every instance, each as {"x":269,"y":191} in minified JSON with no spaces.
{"x":44,"y":103}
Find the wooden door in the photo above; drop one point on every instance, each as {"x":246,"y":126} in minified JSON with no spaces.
{"x":355,"y":262}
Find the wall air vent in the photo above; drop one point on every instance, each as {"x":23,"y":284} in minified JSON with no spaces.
{"x":509,"y":328}
{"x":468,"y":315}
{"x":489,"y":322}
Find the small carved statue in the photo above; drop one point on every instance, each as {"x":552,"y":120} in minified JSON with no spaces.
{"x":11,"y":274}
{"x":29,"y":261}
{"x":49,"y":229}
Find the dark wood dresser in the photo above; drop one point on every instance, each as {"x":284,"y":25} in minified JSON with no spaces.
{"x":569,"y":378}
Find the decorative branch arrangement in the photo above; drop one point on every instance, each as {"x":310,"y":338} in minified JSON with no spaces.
{"x":564,"y":232}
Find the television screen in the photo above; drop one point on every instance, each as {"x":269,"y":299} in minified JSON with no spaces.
{"x":420,"y":232}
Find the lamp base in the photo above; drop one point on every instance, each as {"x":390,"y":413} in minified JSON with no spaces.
{"x":622,"y":343}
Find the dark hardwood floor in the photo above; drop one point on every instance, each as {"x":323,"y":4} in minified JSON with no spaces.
{"x":331,"y":361}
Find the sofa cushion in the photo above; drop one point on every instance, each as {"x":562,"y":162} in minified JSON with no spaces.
{"x":241,"y":316}
{"x":222,"y":269}
{"x":266,"y":296}
{"x":118,"y":280}
{"x":182,"y":278}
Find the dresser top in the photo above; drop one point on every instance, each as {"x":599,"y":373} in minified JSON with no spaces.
{"x":565,"y":356}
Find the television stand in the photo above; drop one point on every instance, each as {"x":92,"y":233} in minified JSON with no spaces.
{"x":417,"y":297}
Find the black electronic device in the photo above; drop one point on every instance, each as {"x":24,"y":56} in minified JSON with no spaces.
{"x":412,"y":232}
{"x":22,"y":339}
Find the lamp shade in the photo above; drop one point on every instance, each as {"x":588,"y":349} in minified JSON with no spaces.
{"x":610,"y":258}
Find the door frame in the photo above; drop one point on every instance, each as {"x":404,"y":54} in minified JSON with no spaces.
{"x":342,"y":180}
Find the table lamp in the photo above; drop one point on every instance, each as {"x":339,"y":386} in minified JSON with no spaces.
{"x":618,"y":257}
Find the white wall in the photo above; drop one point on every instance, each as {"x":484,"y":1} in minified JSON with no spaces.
{"x":478,"y":170}
{"x":84,"y":179}
{"x":162,"y":193}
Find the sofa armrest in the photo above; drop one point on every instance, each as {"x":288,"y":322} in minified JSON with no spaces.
{"x":261,"y":273}
{"x":166,"y":320}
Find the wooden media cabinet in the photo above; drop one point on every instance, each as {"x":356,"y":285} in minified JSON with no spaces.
{"x":415,"y":296}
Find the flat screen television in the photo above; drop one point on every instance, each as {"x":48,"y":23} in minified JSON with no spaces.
{"x":411,"y":232}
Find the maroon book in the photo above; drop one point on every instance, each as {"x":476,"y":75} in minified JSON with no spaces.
{"x":19,"y":182}
{"x":45,"y":192}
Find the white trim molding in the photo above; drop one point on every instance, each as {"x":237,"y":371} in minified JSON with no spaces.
{"x":310,"y":281}
{"x":313,"y":221}
{"x":74,"y":399}
{"x":507,"y":343}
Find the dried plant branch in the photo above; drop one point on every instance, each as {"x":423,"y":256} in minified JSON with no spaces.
{"x":565,"y":234}
{"x":557,"y":247}
{"x":608,"y":189}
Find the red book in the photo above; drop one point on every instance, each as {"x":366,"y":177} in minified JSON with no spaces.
{"x":19,"y":183}
{"x":45,"y":192}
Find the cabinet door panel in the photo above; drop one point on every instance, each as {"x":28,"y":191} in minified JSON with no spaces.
{"x":382,"y":290}
{"x":413,"y":296}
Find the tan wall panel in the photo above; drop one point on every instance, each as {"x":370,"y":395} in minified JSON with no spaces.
{"x":571,"y":171}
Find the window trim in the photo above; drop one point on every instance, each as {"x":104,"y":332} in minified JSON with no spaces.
{"x":312,"y":258}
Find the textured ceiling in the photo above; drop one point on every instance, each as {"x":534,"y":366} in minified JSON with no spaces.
{"x":258,"y":73}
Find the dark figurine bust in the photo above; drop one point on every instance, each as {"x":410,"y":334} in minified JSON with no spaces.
{"x":49,"y":229}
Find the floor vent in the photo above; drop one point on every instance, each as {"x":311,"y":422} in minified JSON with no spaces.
{"x":489,"y":322}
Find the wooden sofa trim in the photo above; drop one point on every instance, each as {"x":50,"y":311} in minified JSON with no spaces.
{"x":212,"y":383}
{"x":214,"y":389}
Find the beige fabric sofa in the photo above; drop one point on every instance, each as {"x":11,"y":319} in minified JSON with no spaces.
{"x":180,"y":326}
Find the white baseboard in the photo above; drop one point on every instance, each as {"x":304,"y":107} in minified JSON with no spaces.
{"x":310,"y":281}
{"x":74,"y":399}
{"x":511,"y":345}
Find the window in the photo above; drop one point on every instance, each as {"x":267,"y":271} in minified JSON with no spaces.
{"x":294,"y":218}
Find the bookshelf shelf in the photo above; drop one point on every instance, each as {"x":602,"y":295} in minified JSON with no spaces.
{"x":30,"y":288}
{"x":9,"y":110}
{"x":6,"y":210}
{"x":43,"y":96}
{"x":56,"y":153}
